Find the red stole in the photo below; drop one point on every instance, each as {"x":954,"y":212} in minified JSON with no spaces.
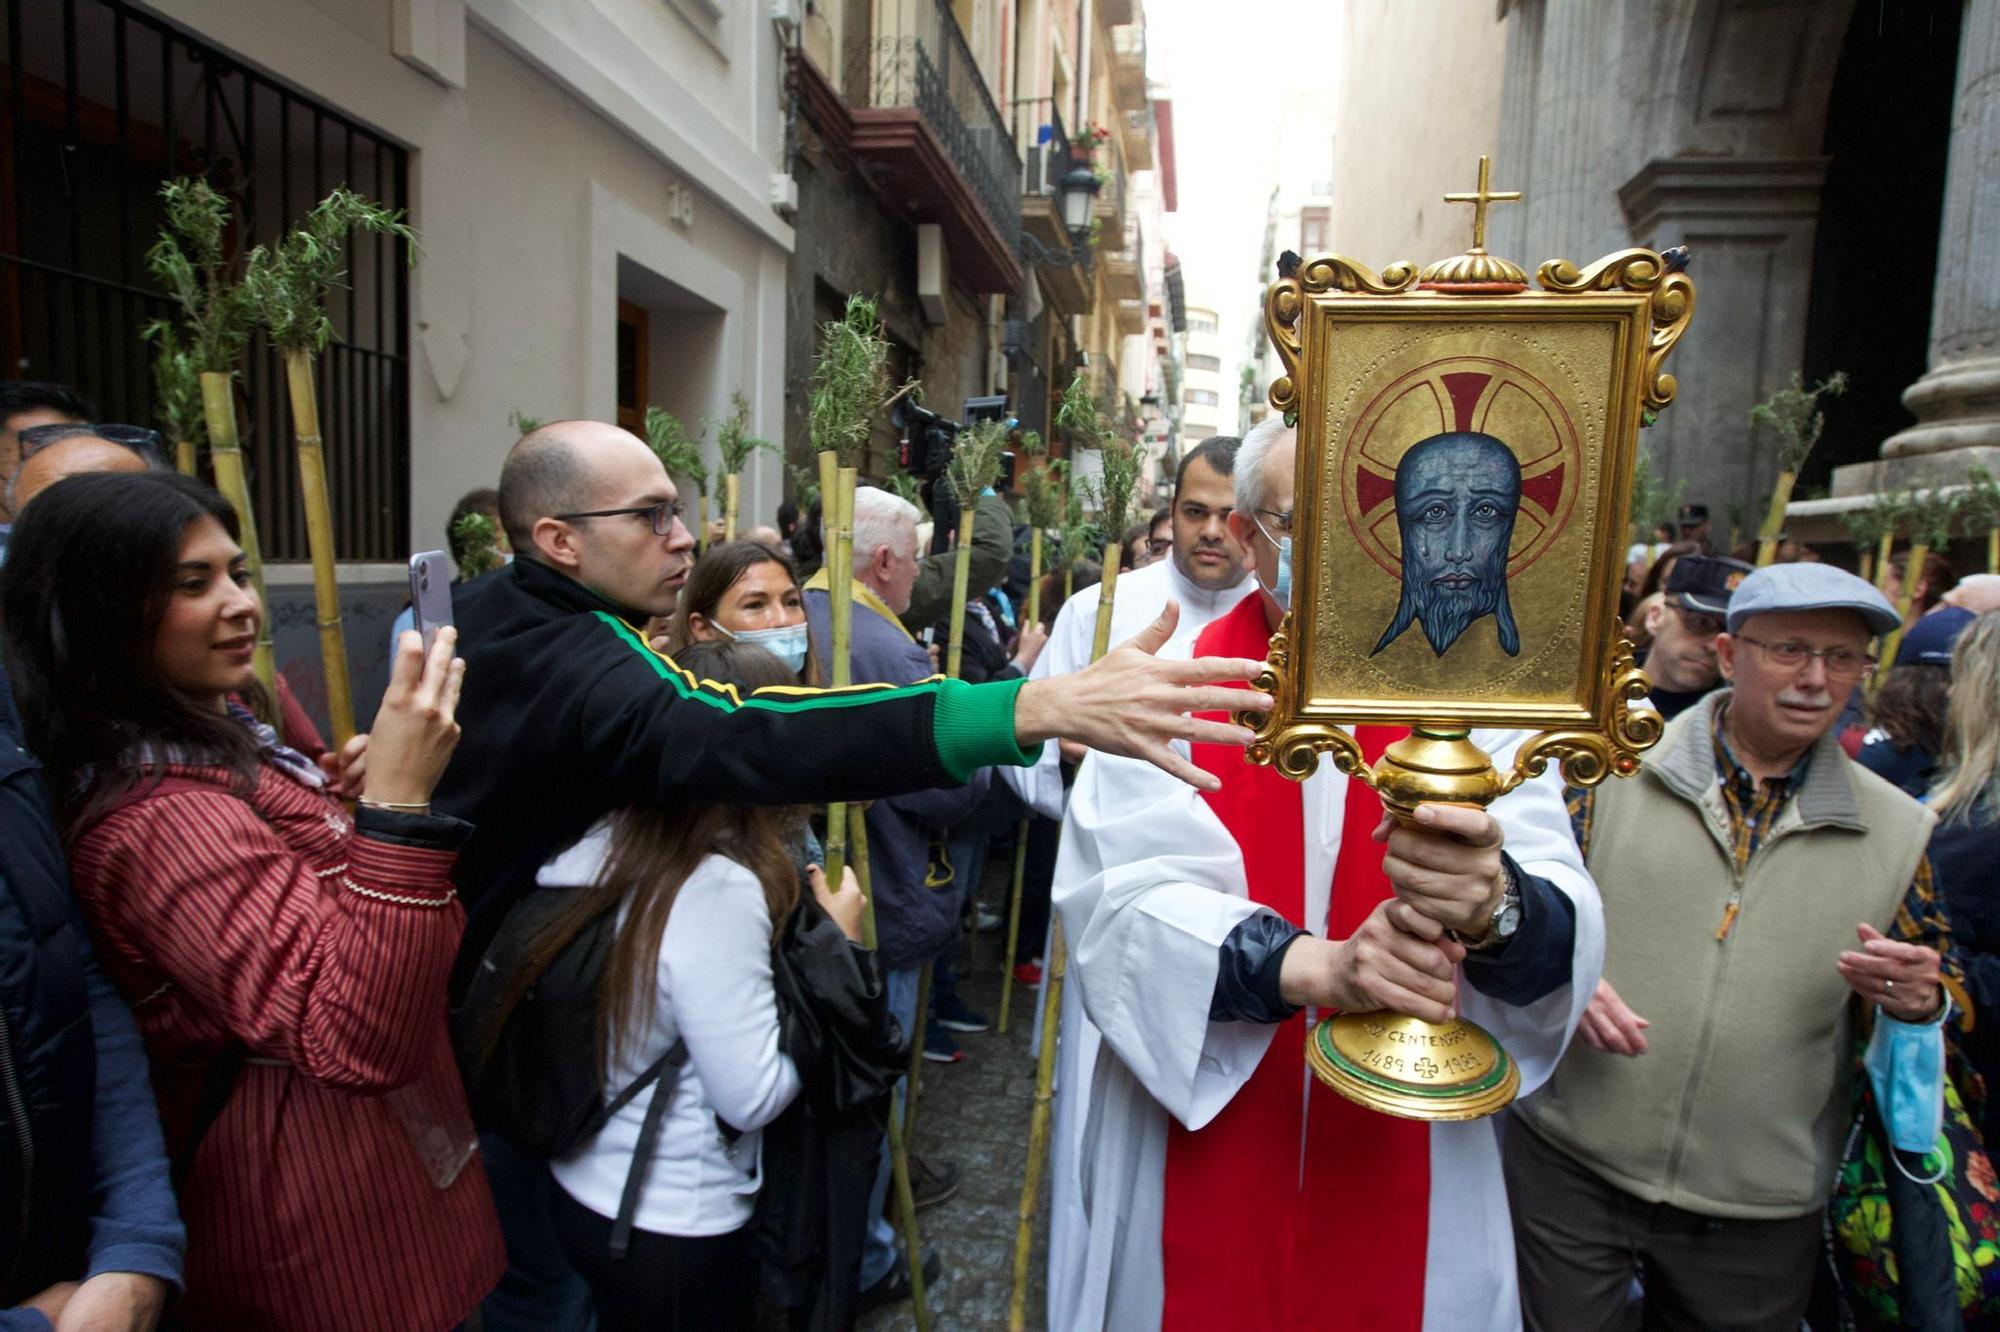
{"x":1259,"y":1234}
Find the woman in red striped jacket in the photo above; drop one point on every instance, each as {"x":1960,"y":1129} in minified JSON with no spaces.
{"x":286,"y":963}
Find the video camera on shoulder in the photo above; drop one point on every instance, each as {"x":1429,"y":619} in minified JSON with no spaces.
{"x":927,"y":442}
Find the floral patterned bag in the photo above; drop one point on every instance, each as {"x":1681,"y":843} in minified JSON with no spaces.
{"x":1880,"y":1233}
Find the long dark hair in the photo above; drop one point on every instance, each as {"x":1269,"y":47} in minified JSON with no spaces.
{"x":90,"y":568}
{"x":1910,"y":706}
{"x":714,"y":574}
{"x":654,"y":848}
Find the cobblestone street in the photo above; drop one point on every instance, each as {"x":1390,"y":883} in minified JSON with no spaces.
{"x":975,"y":1115}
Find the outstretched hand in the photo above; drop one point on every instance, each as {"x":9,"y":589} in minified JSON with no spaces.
{"x":1132,"y":703}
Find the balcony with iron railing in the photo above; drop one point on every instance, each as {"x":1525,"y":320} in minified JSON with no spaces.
{"x":1128,"y":67}
{"x":1064,"y":263}
{"x":1125,"y":277}
{"x":914,"y":113}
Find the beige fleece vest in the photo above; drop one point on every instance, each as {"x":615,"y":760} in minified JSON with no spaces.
{"x":1735,"y":1108}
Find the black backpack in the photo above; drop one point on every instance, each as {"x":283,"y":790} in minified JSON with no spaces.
{"x":539,"y":1086}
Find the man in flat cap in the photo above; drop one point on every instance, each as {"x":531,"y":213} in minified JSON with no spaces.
{"x":1766,"y":903}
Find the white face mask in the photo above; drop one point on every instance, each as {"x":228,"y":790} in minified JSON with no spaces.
{"x":1282,"y":593}
{"x":786,"y":642}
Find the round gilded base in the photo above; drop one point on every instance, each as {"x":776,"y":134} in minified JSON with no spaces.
{"x":1412,"y":1069}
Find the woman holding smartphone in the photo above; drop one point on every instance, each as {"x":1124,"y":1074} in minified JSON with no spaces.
{"x":286,"y":961}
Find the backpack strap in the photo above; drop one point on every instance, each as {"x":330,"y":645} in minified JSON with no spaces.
{"x":649,"y":1138}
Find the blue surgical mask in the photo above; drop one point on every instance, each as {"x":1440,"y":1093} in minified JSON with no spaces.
{"x":1906,"y":1071}
{"x":787,"y":643}
{"x":1282,"y":593}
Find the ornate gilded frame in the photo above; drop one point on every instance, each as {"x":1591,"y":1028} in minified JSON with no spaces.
{"x":1607,"y":329}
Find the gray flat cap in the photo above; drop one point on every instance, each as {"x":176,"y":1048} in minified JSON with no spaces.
{"x":1805,"y":587}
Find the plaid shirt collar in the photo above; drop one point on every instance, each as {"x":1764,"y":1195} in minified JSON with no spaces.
{"x":1736,"y":778}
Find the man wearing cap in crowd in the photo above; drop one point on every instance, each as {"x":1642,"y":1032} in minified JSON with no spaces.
{"x":1680,"y":659}
{"x":1693,"y":526}
{"x":1766,"y":902}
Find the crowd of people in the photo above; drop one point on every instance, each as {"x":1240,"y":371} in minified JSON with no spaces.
{"x":535,"y":1006}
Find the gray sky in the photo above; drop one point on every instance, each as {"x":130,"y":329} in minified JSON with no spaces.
{"x":1229,"y":63}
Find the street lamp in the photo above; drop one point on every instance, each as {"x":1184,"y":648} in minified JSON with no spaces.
{"x":1079,"y":195}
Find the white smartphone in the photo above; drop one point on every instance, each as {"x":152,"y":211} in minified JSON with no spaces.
{"x":430,"y":593}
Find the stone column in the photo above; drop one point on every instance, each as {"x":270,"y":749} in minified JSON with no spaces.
{"x":1750,"y":223}
{"x":1957,"y":402}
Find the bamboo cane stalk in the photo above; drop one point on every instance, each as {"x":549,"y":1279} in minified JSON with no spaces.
{"x":1913,"y":568}
{"x":1993,"y":550}
{"x":1884,"y":550}
{"x":1774,"y":519}
{"x":319,"y":539}
{"x":1038,"y":1134}
{"x":1867,"y":566}
{"x":836,"y":592}
{"x":701,"y":502}
{"x":899,"y":1161}
{"x":184,"y":462}
{"x":914,"y":1090}
{"x":218,"y":406}
{"x":906,"y":1204}
{"x":731,"y":487}
{"x":1045,"y":1065}
{"x":1021,"y":830}
{"x":961,"y":574}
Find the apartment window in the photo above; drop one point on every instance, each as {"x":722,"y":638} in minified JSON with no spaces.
{"x":1203,"y":397}
{"x":1197,"y":361}
{"x":1201,"y":323}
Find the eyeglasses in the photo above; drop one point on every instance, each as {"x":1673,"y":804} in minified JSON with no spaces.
{"x":141,"y":440}
{"x":1699,"y":623}
{"x":1281,"y":520}
{"x":1841,"y":663}
{"x":663,"y":515}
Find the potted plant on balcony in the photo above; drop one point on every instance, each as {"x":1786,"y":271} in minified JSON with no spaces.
{"x":1085,"y":145}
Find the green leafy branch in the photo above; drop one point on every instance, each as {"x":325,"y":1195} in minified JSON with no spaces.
{"x":524,"y":424}
{"x":733,"y":440}
{"x":287,"y":283}
{"x":904,"y":486}
{"x":1793,"y":415}
{"x":678,"y":451}
{"x":1869,"y":525}
{"x":1979,"y":503}
{"x":850,"y":378}
{"x":975,"y":462}
{"x":177,"y":384}
{"x":191,"y":263}
{"x":1930,"y":514}
{"x":1653,"y":501}
{"x":475,"y":544}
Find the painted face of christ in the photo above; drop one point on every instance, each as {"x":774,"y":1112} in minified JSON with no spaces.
{"x":1456,"y":496}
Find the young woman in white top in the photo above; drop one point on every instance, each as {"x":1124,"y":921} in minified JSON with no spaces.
{"x":700,"y":893}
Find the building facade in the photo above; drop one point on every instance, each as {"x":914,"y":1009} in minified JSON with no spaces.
{"x":1763,"y":134}
{"x":597,"y":188}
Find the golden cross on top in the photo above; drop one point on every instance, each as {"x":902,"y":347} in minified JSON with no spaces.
{"x":1480,"y":199}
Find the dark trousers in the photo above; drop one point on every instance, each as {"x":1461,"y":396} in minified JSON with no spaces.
{"x":1580,"y":1241}
{"x":540,"y":1292}
{"x":664,"y":1283}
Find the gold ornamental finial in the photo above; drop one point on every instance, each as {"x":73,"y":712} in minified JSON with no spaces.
{"x":1476,"y":270}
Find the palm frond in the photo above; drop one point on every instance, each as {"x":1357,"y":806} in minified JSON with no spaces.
{"x":191,"y":263}
{"x":1792,"y":415}
{"x":287,"y":283}
{"x":733,"y":440}
{"x":975,"y":462}
{"x":850,"y":378}
{"x":678,"y":452}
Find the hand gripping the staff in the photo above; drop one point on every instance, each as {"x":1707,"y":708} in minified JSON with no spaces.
{"x":1133,"y":703}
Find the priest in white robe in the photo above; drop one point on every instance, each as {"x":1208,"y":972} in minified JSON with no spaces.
{"x":1207,"y":576}
{"x":1221,"y":1185}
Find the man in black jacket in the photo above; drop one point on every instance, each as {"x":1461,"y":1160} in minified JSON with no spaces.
{"x":569,"y":714}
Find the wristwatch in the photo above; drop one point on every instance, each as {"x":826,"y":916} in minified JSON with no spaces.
{"x":1506,"y":919}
